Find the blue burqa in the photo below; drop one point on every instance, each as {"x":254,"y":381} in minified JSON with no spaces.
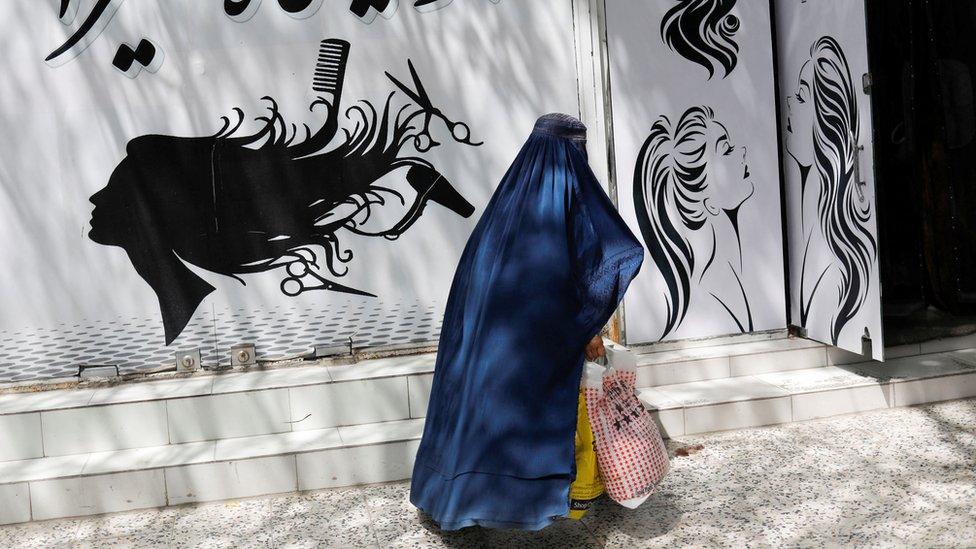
{"x":541,"y":274}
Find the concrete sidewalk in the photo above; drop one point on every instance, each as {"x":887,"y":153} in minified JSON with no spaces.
{"x":903,"y":477}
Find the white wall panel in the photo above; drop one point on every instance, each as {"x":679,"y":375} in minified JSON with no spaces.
{"x":196,"y":226}
{"x":696,"y":154}
{"x":828,"y":150}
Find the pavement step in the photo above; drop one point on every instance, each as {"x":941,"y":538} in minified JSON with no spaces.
{"x":101,"y":482}
{"x":798,"y":395}
{"x":235,"y":405}
{"x":151,"y":414}
{"x":96,"y":450}
{"x":670,"y":367}
{"x":666,"y":364}
{"x":207,"y":383}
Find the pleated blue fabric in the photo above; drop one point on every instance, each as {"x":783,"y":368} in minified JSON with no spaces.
{"x":541,"y":274}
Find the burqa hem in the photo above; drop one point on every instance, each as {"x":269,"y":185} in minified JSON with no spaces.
{"x":541,"y":274}
{"x":461,"y":502}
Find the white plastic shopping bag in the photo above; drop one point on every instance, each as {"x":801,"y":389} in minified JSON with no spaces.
{"x":630,"y":451}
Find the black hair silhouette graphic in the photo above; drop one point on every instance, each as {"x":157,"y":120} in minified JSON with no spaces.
{"x":218,"y":204}
{"x":691,"y":178}
{"x":702,"y":31}
{"x":823,"y":131}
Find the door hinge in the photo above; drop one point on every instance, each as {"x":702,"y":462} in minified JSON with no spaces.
{"x":867,"y":81}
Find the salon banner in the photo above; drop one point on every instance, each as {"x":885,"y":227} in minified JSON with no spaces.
{"x":828,"y":146}
{"x":188,"y":174}
{"x":697,"y":165}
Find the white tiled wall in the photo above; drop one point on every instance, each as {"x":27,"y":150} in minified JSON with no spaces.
{"x":99,"y":494}
{"x":419,"y":387}
{"x":231,"y":479}
{"x":282,"y":443}
{"x":670,"y":373}
{"x":138,"y":459}
{"x":20,"y":437}
{"x":390,"y":431}
{"x":228,"y":415}
{"x":359,"y":465}
{"x":737,"y":415}
{"x":44,"y":400}
{"x":39,"y":469}
{"x":14,"y":503}
{"x":102,"y":428}
{"x":349,"y":403}
{"x":841,"y":401}
{"x":920,"y":391}
{"x":798,"y":359}
{"x":670,"y":423}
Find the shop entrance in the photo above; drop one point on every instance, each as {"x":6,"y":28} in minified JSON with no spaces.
{"x":923,"y":54}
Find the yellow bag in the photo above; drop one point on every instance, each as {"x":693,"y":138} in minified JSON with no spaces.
{"x":587,"y":486}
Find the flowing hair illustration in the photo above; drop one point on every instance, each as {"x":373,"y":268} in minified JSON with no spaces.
{"x":843,"y":210}
{"x":703,"y":31}
{"x":280,"y":198}
{"x":673,"y":194}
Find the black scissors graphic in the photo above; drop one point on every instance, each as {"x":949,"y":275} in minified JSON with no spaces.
{"x":423,"y":141}
{"x":300,"y":272}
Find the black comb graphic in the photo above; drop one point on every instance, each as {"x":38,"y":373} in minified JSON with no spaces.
{"x":330,"y":70}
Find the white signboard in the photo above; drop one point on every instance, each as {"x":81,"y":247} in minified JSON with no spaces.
{"x":195,"y":174}
{"x":831,"y":210}
{"x":697,"y":165}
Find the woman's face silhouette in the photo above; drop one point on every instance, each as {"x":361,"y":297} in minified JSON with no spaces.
{"x":100,"y":232}
{"x":799,"y":121}
{"x":114,"y":220}
{"x":151,"y":198}
{"x":728,"y":179}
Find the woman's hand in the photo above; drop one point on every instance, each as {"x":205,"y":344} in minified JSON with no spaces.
{"x":595,"y":348}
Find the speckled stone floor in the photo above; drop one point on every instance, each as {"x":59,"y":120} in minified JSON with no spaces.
{"x":904,"y":477}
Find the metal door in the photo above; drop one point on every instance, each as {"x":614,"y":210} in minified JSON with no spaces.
{"x":831,"y":211}
{"x":696,"y":155}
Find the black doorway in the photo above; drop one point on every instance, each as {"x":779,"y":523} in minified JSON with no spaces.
{"x":923,"y":64}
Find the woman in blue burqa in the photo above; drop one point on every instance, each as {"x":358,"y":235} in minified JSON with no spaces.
{"x":541,"y":275}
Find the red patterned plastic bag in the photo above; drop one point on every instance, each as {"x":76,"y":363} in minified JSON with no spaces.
{"x":629,"y":448}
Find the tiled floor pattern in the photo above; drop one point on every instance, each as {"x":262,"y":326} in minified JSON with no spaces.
{"x":903,"y":477}
{"x":277,"y":331}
